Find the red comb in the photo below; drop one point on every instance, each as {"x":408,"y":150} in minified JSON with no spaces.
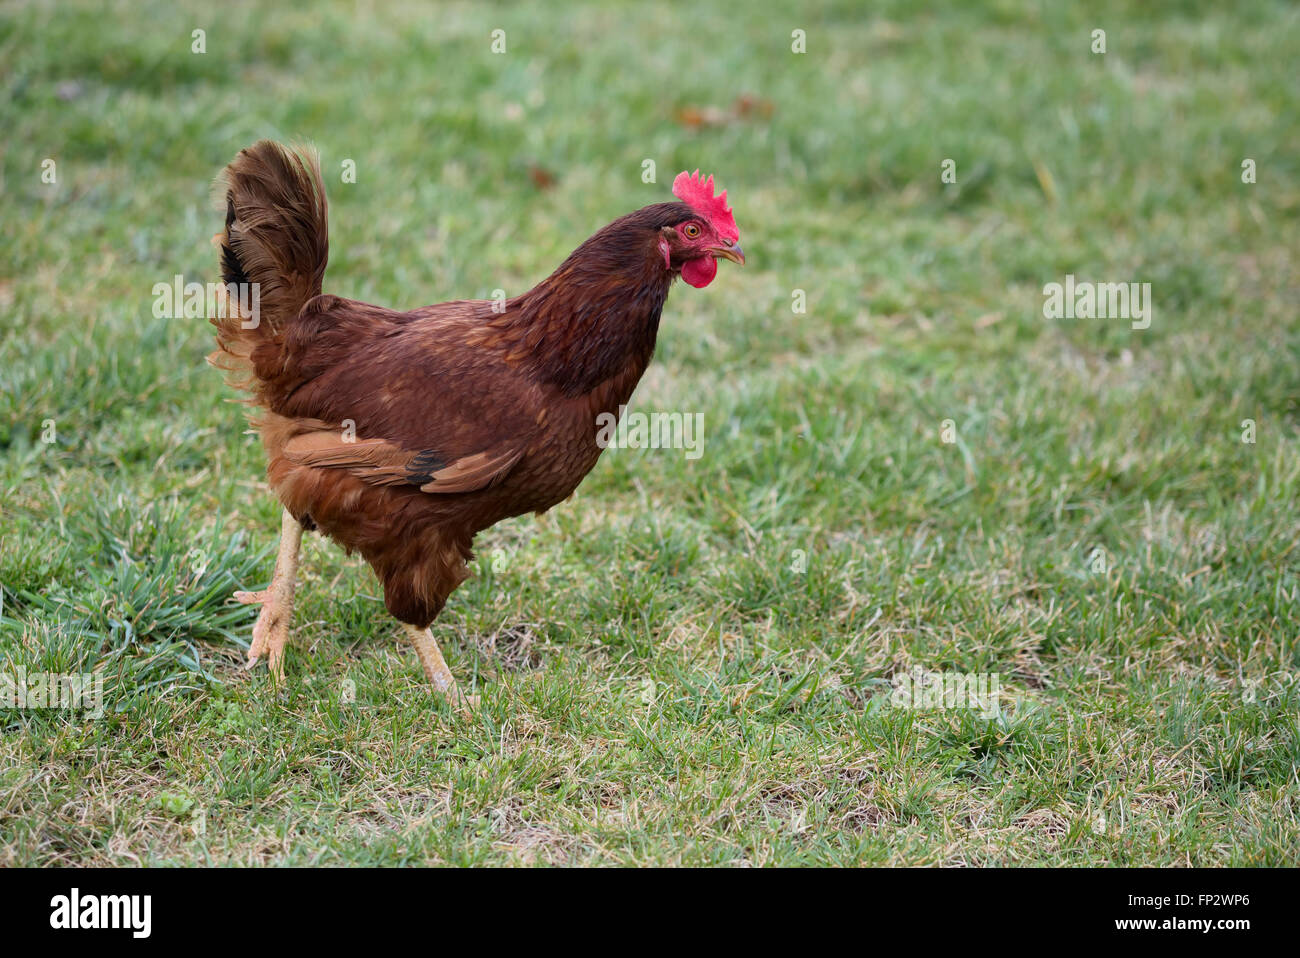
{"x":697,"y":193}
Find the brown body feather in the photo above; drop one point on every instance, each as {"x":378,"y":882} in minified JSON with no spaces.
{"x":403,"y":434}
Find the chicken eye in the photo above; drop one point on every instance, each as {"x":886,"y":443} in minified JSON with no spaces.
{"x":691,"y":230}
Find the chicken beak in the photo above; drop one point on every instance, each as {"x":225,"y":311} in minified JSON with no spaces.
{"x":732,"y":252}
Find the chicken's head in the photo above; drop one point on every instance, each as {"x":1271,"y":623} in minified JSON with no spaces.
{"x":694,"y":244}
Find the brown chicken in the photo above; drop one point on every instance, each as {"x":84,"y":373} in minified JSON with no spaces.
{"x":401,"y":435}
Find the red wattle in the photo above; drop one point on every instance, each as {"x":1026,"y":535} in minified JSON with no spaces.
{"x":700,"y":272}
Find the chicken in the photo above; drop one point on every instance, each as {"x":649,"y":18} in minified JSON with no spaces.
{"x":401,"y":435}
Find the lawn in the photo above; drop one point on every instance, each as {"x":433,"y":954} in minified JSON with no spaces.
{"x":909,"y":468}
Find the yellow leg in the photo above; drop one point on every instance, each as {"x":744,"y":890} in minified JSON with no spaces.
{"x":271,"y":631}
{"x":435,"y":667}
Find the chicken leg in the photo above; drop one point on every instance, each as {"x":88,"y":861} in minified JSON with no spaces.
{"x":435,"y":667}
{"x":271,"y":631}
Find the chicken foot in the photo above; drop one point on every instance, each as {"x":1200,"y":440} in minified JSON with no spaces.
{"x":271,"y":631}
{"x":435,"y":667}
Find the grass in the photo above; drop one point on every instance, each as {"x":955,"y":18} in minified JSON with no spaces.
{"x":690,"y":662}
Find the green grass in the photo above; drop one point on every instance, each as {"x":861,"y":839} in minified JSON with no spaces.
{"x":659,"y":685}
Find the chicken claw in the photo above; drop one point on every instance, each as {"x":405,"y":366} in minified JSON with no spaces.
{"x":270,"y":636}
{"x":435,"y":669}
{"x":271,"y":630}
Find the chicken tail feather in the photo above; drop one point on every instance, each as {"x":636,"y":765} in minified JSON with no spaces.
{"x":274,"y":249}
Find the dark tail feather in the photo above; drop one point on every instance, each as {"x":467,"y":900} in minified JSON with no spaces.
{"x":276,"y":241}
